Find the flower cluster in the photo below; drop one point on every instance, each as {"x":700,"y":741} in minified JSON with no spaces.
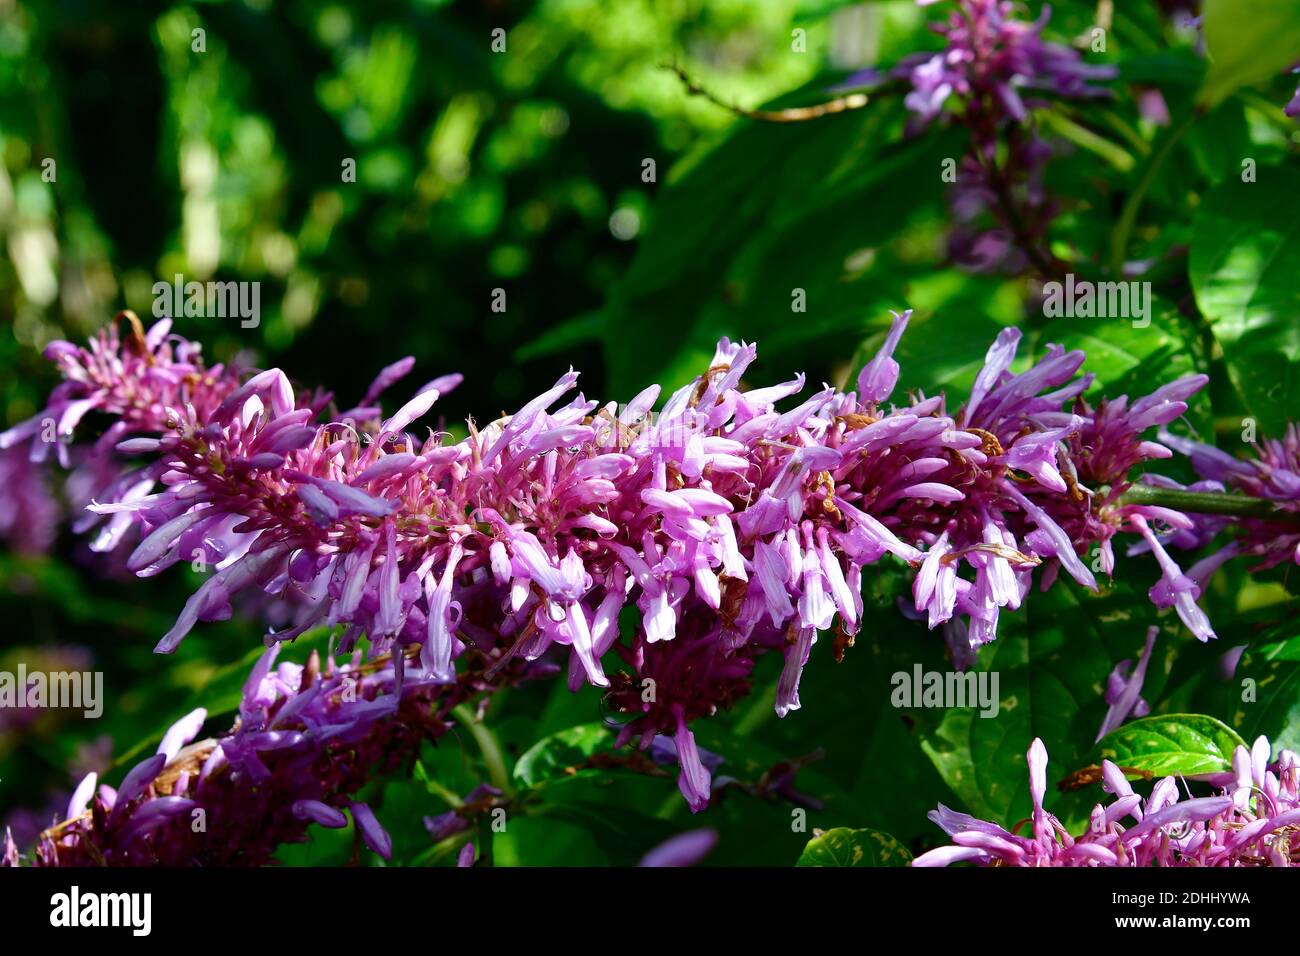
{"x":993,"y":70}
{"x":133,"y":378}
{"x":1273,"y":475}
{"x":307,"y":737}
{"x":991,"y":60}
{"x":725,"y":527}
{"x":1254,"y":820}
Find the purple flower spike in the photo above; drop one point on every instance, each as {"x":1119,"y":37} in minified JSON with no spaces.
{"x":733,"y":523}
{"x":1220,"y":830}
{"x":307,"y":738}
{"x":993,"y":72}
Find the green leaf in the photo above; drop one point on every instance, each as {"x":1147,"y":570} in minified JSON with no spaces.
{"x":1245,"y":257}
{"x":621,"y":831}
{"x":1172,"y":744}
{"x":872,"y":749}
{"x":847,"y":847}
{"x":1287,"y":649}
{"x":552,"y":757}
{"x":1247,"y":41}
{"x":1263,"y":695}
{"x":1052,"y":659}
{"x":570,"y":836}
{"x":1278,"y":715}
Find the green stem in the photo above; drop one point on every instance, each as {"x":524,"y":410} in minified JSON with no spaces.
{"x":493,"y":759}
{"x":1207,"y":502}
{"x":446,"y":793}
{"x":1132,"y":205}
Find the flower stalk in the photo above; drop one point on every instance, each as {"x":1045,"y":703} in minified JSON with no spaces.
{"x":1208,"y":503}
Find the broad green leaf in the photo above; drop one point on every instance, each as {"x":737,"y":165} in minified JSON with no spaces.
{"x":1262,"y":696}
{"x":1276,"y":713}
{"x":1247,"y":41}
{"x":1287,"y":649}
{"x":1245,"y":257}
{"x":1052,"y":658}
{"x":616,"y":817}
{"x":1172,"y":744}
{"x":1215,"y":144}
{"x":843,"y":846}
{"x":871,"y":748}
{"x":576,"y":837}
{"x":555,"y":756}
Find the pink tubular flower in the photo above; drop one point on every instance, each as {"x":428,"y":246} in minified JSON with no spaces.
{"x":1253,"y":821}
